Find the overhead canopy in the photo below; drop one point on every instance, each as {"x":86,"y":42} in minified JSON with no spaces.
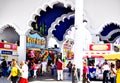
{"x":110,"y":33}
{"x":61,"y":17}
{"x":112,"y":56}
{"x":95,"y":54}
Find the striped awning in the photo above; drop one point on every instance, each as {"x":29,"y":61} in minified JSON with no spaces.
{"x":95,"y":54}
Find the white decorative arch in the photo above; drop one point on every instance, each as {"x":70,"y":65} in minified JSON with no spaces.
{"x":110,"y":34}
{"x":56,"y":22}
{"x":17,"y":29}
{"x":106,"y":23}
{"x":50,"y":4}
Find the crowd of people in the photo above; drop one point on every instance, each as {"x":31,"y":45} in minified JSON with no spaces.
{"x":22,"y":71}
{"x":110,"y":72}
{"x":18,"y":74}
{"x":33,"y":69}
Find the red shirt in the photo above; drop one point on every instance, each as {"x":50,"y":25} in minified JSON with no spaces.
{"x":85,"y":70}
{"x":59,"y":65}
{"x":34,"y":67}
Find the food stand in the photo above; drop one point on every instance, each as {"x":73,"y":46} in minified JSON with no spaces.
{"x":95,"y":59}
{"x":35,"y":46}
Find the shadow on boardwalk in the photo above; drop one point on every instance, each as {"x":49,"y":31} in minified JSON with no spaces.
{"x":47,"y":77}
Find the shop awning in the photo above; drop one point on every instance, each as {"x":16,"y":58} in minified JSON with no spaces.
{"x":95,"y":54}
{"x":112,"y":56}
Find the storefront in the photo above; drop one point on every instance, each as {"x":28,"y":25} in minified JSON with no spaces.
{"x":95,"y":59}
{"x":36,"y":46}
{"x":68,"y":54}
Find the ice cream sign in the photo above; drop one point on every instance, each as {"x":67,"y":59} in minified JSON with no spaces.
{"x":100,"y":47}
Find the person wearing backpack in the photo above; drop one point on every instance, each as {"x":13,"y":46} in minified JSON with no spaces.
{"x":14,"y":72}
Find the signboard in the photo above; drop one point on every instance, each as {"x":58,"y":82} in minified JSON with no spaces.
{"x":100,"y":47}
{"x":67,"y":49}
{"x":95,"y":54}
{"x":35,"y":41}
{"x":8,"y":46}
{"x":6,"y":52}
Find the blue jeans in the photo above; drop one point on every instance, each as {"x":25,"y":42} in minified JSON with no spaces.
{"x":4,"y":72}
{"x":114,"y":79}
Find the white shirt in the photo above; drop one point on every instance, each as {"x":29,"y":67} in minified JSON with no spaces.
{"x":44,"y":64}
{"x":24,"y":71}
{"x":106,"y":67}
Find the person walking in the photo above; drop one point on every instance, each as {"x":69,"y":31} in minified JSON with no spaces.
{"x":34,"y":68}
{"x":106,"y":70}
{"x":24,"y":72}
{"x":113,"y":73}
{"x":14,"y":72}
{"x":4,"y":68}
{"x":118,"y":71}
{"x":74,"y":74}
{"x":44,"y":67}
{"x":85,"y":73}
{"x":52,"y":68}
{"x":59,"y":70}
{"x":69,"y":66}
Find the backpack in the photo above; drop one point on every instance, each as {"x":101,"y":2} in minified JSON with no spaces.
{"x":19,"y":73}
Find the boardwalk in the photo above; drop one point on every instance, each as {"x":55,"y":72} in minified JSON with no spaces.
{"x":47,"y":79}
{"x":42,"y":80}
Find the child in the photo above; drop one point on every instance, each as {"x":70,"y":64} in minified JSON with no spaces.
{"x":52,"y":68}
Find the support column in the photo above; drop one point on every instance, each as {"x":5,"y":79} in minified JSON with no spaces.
{"x":79,"y":36}
{"x":22,"y":48}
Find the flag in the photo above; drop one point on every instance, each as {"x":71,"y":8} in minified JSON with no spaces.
{"x":43,"y":29}
{"x":36,"y":26}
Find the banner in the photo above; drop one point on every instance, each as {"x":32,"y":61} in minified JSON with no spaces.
{"x":100,"y":47}
{"x":35,"y":41}
{"x":8,"y":46}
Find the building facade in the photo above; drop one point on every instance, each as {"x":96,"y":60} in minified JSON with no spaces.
{"x":92,"y":21}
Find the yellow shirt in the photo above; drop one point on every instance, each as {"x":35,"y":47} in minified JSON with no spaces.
{"x":14,"y":71}
{"x":118,"y":76}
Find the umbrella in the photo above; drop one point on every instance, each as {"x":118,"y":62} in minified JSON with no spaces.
{"x":112,"y":56}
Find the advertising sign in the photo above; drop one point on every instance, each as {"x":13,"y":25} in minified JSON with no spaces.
{"x":8,"y":46}
{"x":6,"y":52}
{"x":35,"y":41}
{"x":67,"y":49}
{"x":100,"y":47}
